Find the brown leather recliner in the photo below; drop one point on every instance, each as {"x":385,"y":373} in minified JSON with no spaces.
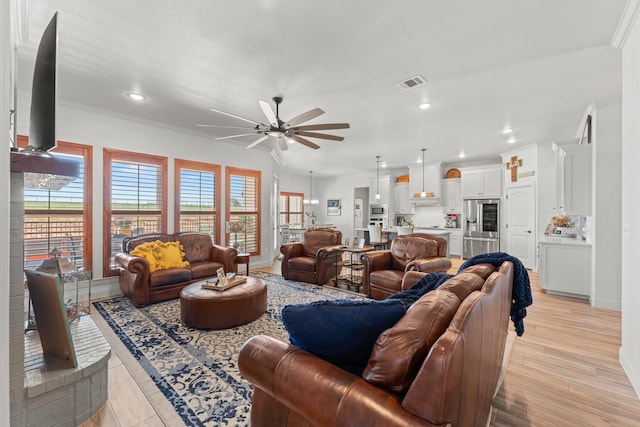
{"x":384,"y":270}
{"x":312,"y":260}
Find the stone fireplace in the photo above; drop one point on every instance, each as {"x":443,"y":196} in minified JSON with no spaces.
{"x":42,"y":394}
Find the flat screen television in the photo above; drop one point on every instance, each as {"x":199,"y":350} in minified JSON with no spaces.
{"x":42,"y":128}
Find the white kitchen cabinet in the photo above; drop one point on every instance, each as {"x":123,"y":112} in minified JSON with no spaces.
{"x":483,"y":183}
{"x":432,"y":178}
{"x":384,"y":185}
{"x":565,"y":268}
{"x":573,"y":178}
{"x":401,"y":199}
{"x":455,"y":241}
{"x":451,"y":195}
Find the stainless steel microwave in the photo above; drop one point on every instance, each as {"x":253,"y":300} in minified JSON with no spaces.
{"x":379,"y":209}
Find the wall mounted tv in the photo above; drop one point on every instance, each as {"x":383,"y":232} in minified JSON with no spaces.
{"x":42,"y":128}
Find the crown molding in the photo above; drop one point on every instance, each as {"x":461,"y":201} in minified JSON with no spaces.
{"x":625,"y":25}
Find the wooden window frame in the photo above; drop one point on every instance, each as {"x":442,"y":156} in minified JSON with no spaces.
{"x":179,"y":165}
{"x":110,"y":155}
{"x":251,"y":173}
{"x":287,"y":212}
{"x":86,"y":153}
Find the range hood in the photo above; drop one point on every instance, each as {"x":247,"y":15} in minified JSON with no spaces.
{"x":424,"y":201}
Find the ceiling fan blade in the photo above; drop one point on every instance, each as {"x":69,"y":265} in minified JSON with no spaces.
{"x":282,"y":143}
{"x":305,"y":142}
{"x":268,"y":111}
{"x":224,"y":127}
{"x":304,"y":117}
{"x":257,"y":141}
{"x":326,"y":126}
{"x":321,"y":136}
{"x":234,"y":136}
{"x":234,"y":116}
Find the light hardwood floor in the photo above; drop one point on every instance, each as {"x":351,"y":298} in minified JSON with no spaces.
{"x":563,"y":371}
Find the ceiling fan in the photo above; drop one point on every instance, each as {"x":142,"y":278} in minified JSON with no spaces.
{"x":283,"y":131}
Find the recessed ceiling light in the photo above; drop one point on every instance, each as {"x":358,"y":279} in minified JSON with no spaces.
{"x":461,"y":155}
{"x":511,"y":140}
{"x":136,"y":96}
{"x":425,"y":105}
{"x":507,"y":130}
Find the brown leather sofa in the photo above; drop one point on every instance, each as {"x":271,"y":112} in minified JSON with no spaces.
{"x":313,"y":259}
{"x":383,"y":270}
{"x":439,"y":365}
{"x":143,"y":286}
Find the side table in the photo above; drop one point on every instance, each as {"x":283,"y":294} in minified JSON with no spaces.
{"x":354,"y":278}
{"x":243,"y":258}
{"x":77,"y":309}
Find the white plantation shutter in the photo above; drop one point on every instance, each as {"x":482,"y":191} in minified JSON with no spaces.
{"x":291,"y":208}
{"x":197,"y":197}
{"x":54,"y":219}
{"x":243,"y":205}
{"x":136,"y":199}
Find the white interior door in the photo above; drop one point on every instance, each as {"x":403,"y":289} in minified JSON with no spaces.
{"x":521,"y":225}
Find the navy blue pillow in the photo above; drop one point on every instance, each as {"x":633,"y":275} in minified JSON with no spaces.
{"x":341,"y":332}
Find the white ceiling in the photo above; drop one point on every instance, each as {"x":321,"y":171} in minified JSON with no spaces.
{"x":534,"y":66}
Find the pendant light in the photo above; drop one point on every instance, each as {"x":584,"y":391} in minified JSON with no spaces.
{"x":423,"y":193}
{"x":377,"y":177}
{"x":310,"y":200}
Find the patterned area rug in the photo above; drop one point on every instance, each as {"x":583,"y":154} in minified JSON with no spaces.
{"x":197,"y":370}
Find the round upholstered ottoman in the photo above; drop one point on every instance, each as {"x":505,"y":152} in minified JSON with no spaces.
{"x":211,"y":309}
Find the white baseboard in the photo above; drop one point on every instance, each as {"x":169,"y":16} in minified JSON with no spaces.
{"x":608,"y":304}
{"x":632,"y":374}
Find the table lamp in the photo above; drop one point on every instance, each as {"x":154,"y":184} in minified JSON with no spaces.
{"x":235,"y":228}
{"x":55,"y":264}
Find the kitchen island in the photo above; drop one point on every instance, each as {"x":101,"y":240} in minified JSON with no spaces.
{"x":392,"y":232}
{"x":436,"y":231}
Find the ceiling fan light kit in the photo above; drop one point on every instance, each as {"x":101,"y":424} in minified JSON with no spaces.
{"x":283,"y":131}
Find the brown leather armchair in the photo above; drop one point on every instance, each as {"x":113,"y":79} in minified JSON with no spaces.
{"x":312,"y":260}
{"x":384,"y":270}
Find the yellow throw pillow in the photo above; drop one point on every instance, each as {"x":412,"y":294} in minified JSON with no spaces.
{"x":169,"y":255}
{"x":145,"y":251}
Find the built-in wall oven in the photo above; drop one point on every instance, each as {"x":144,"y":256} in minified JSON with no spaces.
{"x":481,"y":225}
{"x":381,"y":221}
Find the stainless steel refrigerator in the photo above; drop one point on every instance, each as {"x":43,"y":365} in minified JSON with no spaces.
{"x":481,"y":223}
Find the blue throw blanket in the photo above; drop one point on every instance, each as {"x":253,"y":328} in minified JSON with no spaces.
{"x":425,"y":284}
{"x":521,"y":293}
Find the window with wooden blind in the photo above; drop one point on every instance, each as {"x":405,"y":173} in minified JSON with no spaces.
{"x":57,"y":210}
{"x":197,"y":197}
{"x":291,"y":211}
{"x":243,"y":190}
{"x":135,"y":199}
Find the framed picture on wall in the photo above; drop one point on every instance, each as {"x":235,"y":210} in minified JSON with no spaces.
{"x":333,"y":207}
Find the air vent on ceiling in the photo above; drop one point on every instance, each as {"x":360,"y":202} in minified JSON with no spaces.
{"x":412,"y":82}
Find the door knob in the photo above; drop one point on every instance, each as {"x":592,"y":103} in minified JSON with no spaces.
{"x":529,"y":231}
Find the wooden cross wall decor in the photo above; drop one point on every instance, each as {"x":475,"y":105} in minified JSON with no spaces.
{"x":514,"y":164}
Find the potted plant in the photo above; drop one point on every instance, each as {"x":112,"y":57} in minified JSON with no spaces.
{"x":407,"y":228}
